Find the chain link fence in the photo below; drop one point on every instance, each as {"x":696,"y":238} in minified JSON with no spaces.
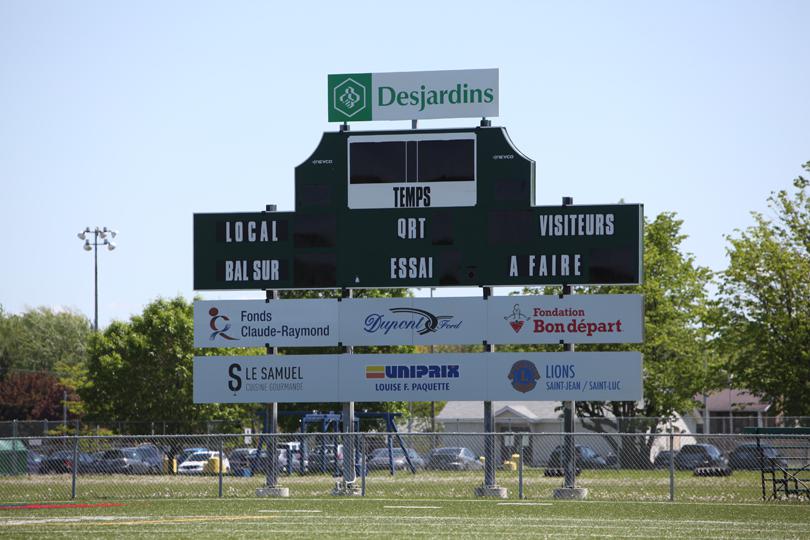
{"x":641,"y":467}
{"x":41,"y":428}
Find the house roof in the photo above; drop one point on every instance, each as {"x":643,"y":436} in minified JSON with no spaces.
{"x":474,"y":410}
{"x":735,"y":401}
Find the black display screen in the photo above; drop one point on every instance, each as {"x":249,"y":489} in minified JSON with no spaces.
{"x":377,"y":162}
{"x":446,"y":161}
{"x":412,"y":161}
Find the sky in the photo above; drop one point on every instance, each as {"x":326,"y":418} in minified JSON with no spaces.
{"x":136,"y":115}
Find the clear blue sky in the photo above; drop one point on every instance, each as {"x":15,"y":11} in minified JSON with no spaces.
{"x":136,"y":115}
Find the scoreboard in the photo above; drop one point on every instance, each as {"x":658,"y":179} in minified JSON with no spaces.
{"x":418,"y":208}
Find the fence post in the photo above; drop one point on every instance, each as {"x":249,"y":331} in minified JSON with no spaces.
{"x":362,"y":465}
{"x":75,"y":467}
{"x":220,"y":467}
{"x":671,"y":465}
{"x":520,"y":466}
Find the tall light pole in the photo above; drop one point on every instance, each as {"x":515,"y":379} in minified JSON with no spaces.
{"x":98,"y":233}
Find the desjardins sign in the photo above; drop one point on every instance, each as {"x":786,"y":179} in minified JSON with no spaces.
{"x":357,"y":97}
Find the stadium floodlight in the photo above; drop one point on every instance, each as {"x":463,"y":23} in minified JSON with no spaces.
{"x":98,"y":233}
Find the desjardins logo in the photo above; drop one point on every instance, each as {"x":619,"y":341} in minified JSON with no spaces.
{"x":391,"y":96}
{"x":350,"y":97}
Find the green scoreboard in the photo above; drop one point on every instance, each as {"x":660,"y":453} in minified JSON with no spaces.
{"x":418,"y":208}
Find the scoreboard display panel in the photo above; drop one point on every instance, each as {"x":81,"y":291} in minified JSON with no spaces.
{"x":418,"y":208}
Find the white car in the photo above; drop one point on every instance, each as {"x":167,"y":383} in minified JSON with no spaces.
{"x":195,"y":463}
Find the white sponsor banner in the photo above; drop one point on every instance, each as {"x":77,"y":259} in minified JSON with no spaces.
{"x":411,"y":321}
{"x":614,"y":318}
{"x":256,"y":323}
{"x":586,"y":376}
{"x":435,"y":94}
{"x":266,"y":379}
{"x":597,"y":318}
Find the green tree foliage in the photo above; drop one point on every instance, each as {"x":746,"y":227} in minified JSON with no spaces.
{"x":43,"y":340}
{"x":765,"y":303}
{"x":141,"y":371}
{"x":33,"y":396}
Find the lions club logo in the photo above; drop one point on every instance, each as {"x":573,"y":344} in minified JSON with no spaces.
{"x":524,"y":376}
{"x":516,"y":318}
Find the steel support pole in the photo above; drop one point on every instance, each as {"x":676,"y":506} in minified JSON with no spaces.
{"x":349,"y":458}
{"x":569,"y":445}
{"x":271,"y":421}
{"x":489,"y":425}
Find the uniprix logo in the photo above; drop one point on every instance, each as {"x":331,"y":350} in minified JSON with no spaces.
{"x":516,"y":319}
{"x":219,"y":324}
{"x":524,"y":376}
{"x":413,"y":371}
{"x":423,"y":323}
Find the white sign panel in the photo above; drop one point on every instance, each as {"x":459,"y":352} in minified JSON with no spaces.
{"x":411,"y":321}
{"x":469,"y":93}
{"x":599,"y":318}
{"x":586,"y":376}
{"x":266,"y":379}
{"x":256,"y":323}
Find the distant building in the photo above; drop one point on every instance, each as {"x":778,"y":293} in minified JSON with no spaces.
{"x":461,"y":420}
{"x":730,"y":411}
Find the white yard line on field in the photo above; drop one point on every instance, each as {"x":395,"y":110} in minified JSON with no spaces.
{"x":414,"y":507}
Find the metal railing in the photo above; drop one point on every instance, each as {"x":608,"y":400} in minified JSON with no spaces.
{"x":643,"y":467}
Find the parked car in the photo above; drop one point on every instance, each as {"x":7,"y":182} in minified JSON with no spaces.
{"x":124,"y":461}
{"x":195,"y":463}
{"x":662,"y":459}
{"x":152,"y":455}
{"x":380,"y":459}
{"x":747,"y":456}
{"x":326,"y":458}
{"x":456,"y":458}
{"x":34,"y":460}
{"x":61,"y":461}
{"x":587,"y":458}
{"x":184,"y":455}
{"x":692,"y":456}
{"x":239,"y":459}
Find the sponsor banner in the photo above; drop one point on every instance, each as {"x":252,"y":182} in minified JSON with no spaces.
{"x":411,"y":321}
{"x":256,"y":323}
{"x":266,"y":379}
{"x":586,"y":376}
{"x":600,"y":318}
{"x":354,"y":97}
{"x":507,"y":320}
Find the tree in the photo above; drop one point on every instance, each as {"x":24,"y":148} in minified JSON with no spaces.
{"x":42,"y":340}
{"x":32,"y":396}
{"x":764,"y":324}
{"x":141,"y":371}
{"x":675,"y":344}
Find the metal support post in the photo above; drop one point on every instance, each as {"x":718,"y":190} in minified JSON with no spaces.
{"x":74,"y":467}
{"x":271,"y":489}
{"x":569,"y":489}
{"x":490,"y":487}
{"x":219,"y":472}
{"x":348,"y":484}
{"x":671,"y":465}
{"x":520,"y":466}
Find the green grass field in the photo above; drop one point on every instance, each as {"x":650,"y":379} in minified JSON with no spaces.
{"x":609,"y":485}
{"x":621,"y":504}
{"x":398,"y":517}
